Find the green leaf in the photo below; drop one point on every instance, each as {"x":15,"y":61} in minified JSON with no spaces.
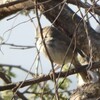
{"x":64,"y":83}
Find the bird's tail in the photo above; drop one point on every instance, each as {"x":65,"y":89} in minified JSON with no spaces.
{"x":77,"y":65}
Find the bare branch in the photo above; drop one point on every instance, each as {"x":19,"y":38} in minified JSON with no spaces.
{"x":15,"y":6}
{"x":18,"y":67}
{"x":4,"y":77}
{"x":18,"y":46}
{"x":12,"y":8}
{"x":14,"y":86}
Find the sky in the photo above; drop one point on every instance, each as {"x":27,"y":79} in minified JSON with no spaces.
{"x":24,"y":34}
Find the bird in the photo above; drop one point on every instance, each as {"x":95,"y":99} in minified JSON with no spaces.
{"x":59,"y":47}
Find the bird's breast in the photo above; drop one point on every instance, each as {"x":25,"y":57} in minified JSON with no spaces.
{"x":56,"y":49}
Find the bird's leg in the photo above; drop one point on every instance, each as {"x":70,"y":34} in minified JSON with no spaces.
{"x":56,"y":66}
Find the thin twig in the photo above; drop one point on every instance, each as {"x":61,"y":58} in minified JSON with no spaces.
{"x":40,"y":28}
{"x":18,"y":67}
{"x":18,"y":46}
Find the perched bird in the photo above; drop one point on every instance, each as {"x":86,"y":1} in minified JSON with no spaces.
{"x":59,"y":47}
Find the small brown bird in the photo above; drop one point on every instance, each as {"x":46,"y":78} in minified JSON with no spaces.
{"x":59,"y":47}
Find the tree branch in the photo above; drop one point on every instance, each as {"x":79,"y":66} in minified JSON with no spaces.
{"x":14,"y":86}
{"x":18,"y":46}
{"x":18,"y":67}
{"x":15,"y":6}
{"x":3,"y":76}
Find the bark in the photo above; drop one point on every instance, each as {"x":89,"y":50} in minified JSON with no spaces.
{"x":43,"y":78}
{"x":65,"y":22}
{"x":13,"y":7}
